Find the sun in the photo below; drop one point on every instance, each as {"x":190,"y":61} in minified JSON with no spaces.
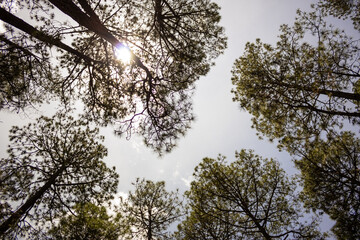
{"x":122,"y":53}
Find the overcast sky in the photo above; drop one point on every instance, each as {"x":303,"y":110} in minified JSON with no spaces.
{"x":220,"y":126}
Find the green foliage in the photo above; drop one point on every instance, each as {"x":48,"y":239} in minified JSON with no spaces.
{"x":202,"y":226}
{"x":173,"y":43}
{"x":90,"y":222}
{"x":53,"y":164}
{"x":149,"y":210}
{"x":303,"y":85}
{"x":343,"y":9}
{"x":250,"y":198}
{"x":331,"y":180}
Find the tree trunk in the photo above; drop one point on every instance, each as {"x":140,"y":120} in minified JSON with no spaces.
{"x":16,"y":216}
{"x":346,"y":95}
{"x":27,"y":28}
{"x":92,"y":23}
{"x":335,"y":93}
{"x":262,"y":230}
{"x":149,"y":232}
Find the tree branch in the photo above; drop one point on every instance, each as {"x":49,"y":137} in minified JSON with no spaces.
{"x":27,"y":28}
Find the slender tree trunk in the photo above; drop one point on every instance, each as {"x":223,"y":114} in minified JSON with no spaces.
{"x":244,"y":206}
{"x":262,"y":230}
{"x":149,"y":232}
{"x":16,"y":216}
{"x":346,"y":95}
{"x":92,"y":23}
{"x":27,"y":28}
{"x":346,"y":114}
{"x":339,"y":94}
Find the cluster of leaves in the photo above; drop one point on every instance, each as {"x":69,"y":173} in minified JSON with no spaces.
{"x":89,"y":222}
{"x":55,"y":176}
{"x":343,"y":10}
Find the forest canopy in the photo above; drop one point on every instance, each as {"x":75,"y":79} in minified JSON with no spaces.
{"x":134,"y":65}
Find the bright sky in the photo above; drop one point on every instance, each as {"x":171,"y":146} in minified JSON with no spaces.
{"x":220,"y":126}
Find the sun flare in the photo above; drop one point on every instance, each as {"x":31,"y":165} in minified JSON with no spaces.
{"x":123,"y":53}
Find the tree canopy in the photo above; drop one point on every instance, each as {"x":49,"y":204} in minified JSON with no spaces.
{"x":306,"y":83}
{"x":52,"y":164}
{"x":170,"y":45}
{"x":149,"y":210}
{"x":90,"y":222}
{"x":251,"y":198}
{"x":343,"y":9}
{"x":198,"y":225}
{"x":331,"y":180}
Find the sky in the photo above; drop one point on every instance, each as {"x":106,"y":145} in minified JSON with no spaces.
{"x":220,"y":126}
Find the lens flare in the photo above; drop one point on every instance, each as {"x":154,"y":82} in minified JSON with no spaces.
{"x":122,"y":53}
